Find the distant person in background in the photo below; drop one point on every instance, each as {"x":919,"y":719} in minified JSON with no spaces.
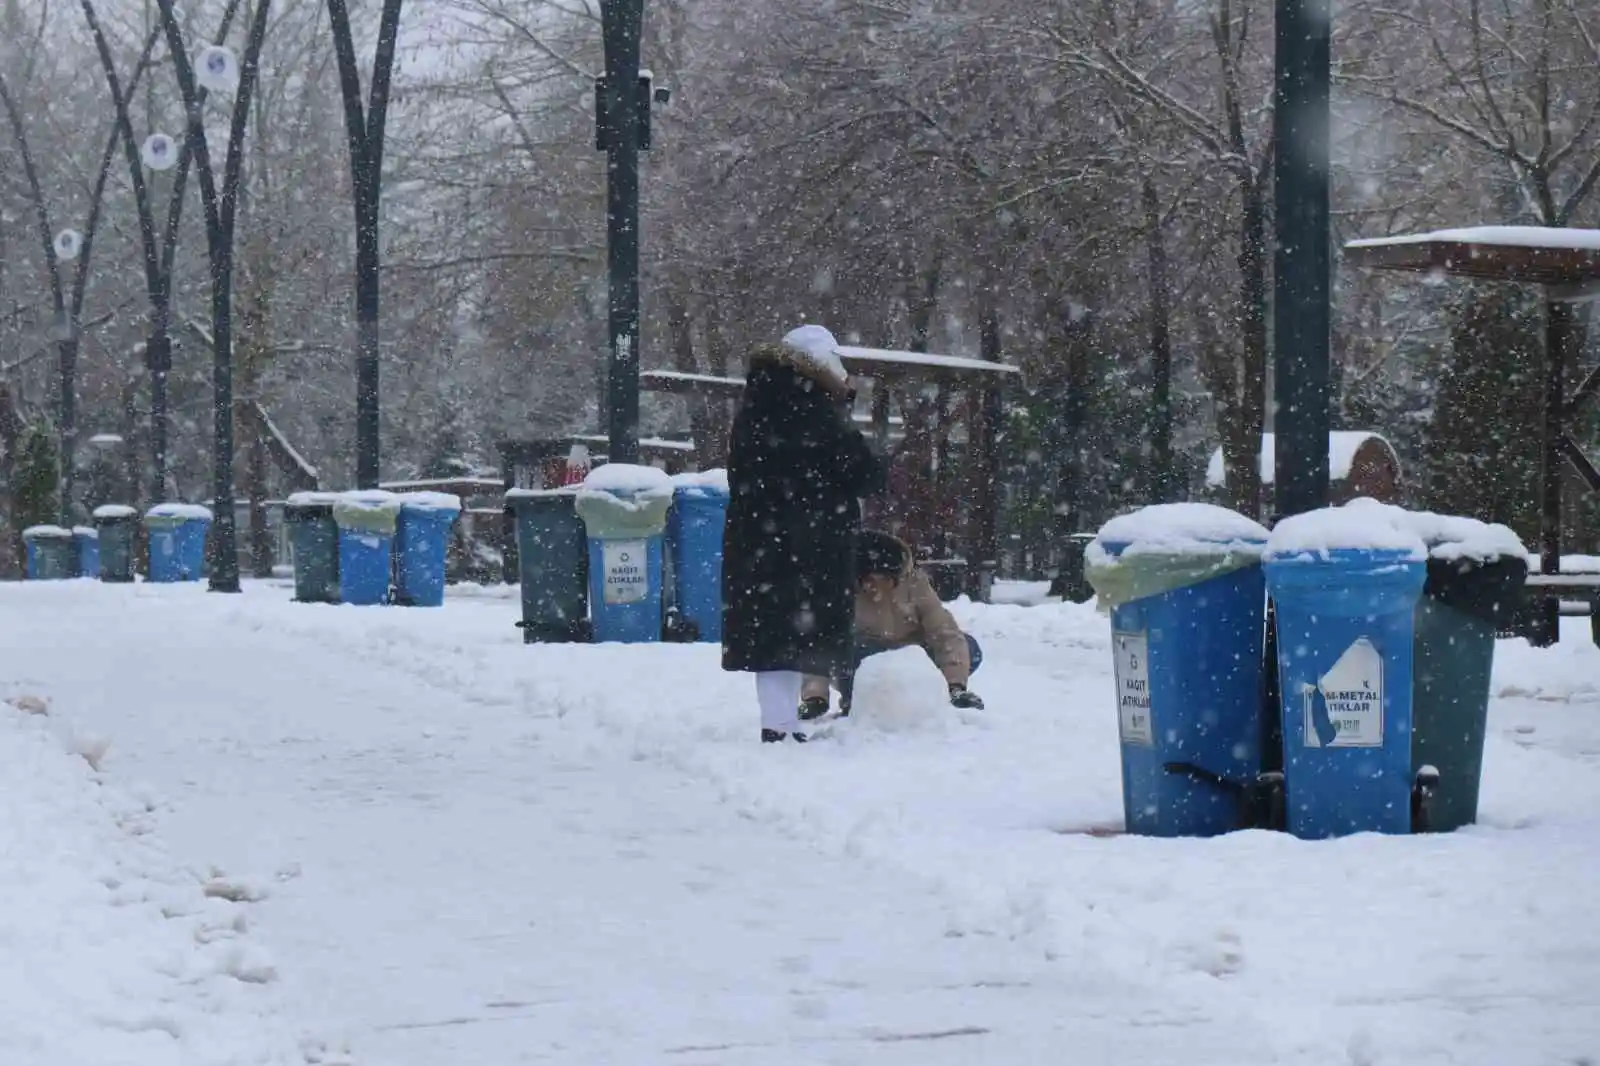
{"x":796,"y":471}
{"x":897,"y":607}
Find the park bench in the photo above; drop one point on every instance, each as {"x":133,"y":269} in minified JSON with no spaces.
{"x":1577,"y":595}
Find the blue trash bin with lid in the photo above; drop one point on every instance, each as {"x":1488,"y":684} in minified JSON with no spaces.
{"x":1345,"y":584}
{"x":624,"y":510}
{"x":422,"y":547}
{"x":87,"y":541}
{"x":1184,"y":586}
{"x":177,"y":533}
{"x":694,"y":540}
{"x":52,"y":555}
{"x":367,"y":519}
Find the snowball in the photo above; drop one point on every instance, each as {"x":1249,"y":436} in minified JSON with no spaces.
{"x":1374,"y":528}
{"x":900,"y":690}
{"x":68,"y":243}
{"x":628,"y":479}
{"x":217,"y":69}
{"x":159,"y":152}
{"x":1181,"y":529}
{"x":820,"y":348}
{"x":189,"y":512}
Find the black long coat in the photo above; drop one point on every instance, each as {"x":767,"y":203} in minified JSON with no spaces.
{"x":796,"y":471}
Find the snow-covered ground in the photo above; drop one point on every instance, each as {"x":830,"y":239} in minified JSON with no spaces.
{"x":403,"y":838}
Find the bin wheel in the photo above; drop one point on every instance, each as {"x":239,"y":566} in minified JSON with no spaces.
{"x":676,"y":629}
{"x":1269,"y":806}
{"x":1422,"y":793}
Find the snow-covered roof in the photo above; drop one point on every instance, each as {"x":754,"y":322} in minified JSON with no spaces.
{"x":1577,"y":240}
{"x":644,"y":442}
{"x":862,"y":360}
{"x":1342,"y":447}
{"x":1543,"y":255}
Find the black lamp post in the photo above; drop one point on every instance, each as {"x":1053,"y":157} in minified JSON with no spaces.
{"x":622,"y":129}
{"x":1300,"y":319}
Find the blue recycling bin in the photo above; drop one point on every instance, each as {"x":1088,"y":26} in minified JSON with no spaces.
{"x":177,"y":533}
{"x":1188,"y":603}
{"x":51,"y":555}
{"x":87,"y":540}
{"x":694,"y":536}
{"x":422,"y":543}
{"x":624,"y":510}
{"x":1345,"y":627}
{"x":367,"y":521}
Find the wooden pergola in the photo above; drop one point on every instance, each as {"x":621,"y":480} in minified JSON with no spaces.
{"x":1566,"y":264}
{"x":971,"y":493}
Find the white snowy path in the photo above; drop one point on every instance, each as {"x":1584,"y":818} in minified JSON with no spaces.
{"x":479,"y":852}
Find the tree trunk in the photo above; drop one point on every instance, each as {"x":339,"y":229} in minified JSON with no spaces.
{"x":1160,"y":484}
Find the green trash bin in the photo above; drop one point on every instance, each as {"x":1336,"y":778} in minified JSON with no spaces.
{"x":1475,"y":576}
{"x":313,"y":546}
{"x":52,"y":553}
{"x":552,"y":563}
{"x":116,"y":523}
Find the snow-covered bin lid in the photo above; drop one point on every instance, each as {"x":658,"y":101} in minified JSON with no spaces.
{"x":46,"y":532}
{"x":115,"y":510}
{"x":1452,"y":538}
{"x":87,"y":532}
{"x":183,"y":512}
{"x":702,"y":483}
{"x":1180,"y":529}
{"x":312,"y":499}
{"x":367,"y":510}
{"x":433,"y":502}
{"x":1317,"y":534}
{"x":628,"y":479}
{"x":1169,"y":546}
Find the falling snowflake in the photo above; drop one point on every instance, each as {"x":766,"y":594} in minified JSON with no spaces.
{"x":217,"y":69}
{"x":160,"y":152}
{"x":69,"y":242}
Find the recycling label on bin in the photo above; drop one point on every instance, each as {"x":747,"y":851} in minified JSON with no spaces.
{"x":1132,"y":658}
{"x":626,"y":566}
{"x":1352,"y":695}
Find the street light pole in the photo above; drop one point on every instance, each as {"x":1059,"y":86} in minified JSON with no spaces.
{"x":618,"y":102}
{"x":1300,"y":314}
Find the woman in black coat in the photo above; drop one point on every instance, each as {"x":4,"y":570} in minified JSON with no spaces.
{"x":796,"y":471}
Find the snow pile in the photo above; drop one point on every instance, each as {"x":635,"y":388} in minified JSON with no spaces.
{"x":111,"y":955}
{"x":1583,"y":240}
{"x":312,"y":499}
{"x":1343,"y":444}
{"x":628,"y":479}
{"x":1450,"y":537}
{"x":188,"y":512}
{"x":715,"y":481}
{"x":87,"y":532}
{"x":115,"y":511}
{"x":1330,"y":529}
{"x":1177,"y":529}
{"x":46,"y":532}
{"x":438,"y":502}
